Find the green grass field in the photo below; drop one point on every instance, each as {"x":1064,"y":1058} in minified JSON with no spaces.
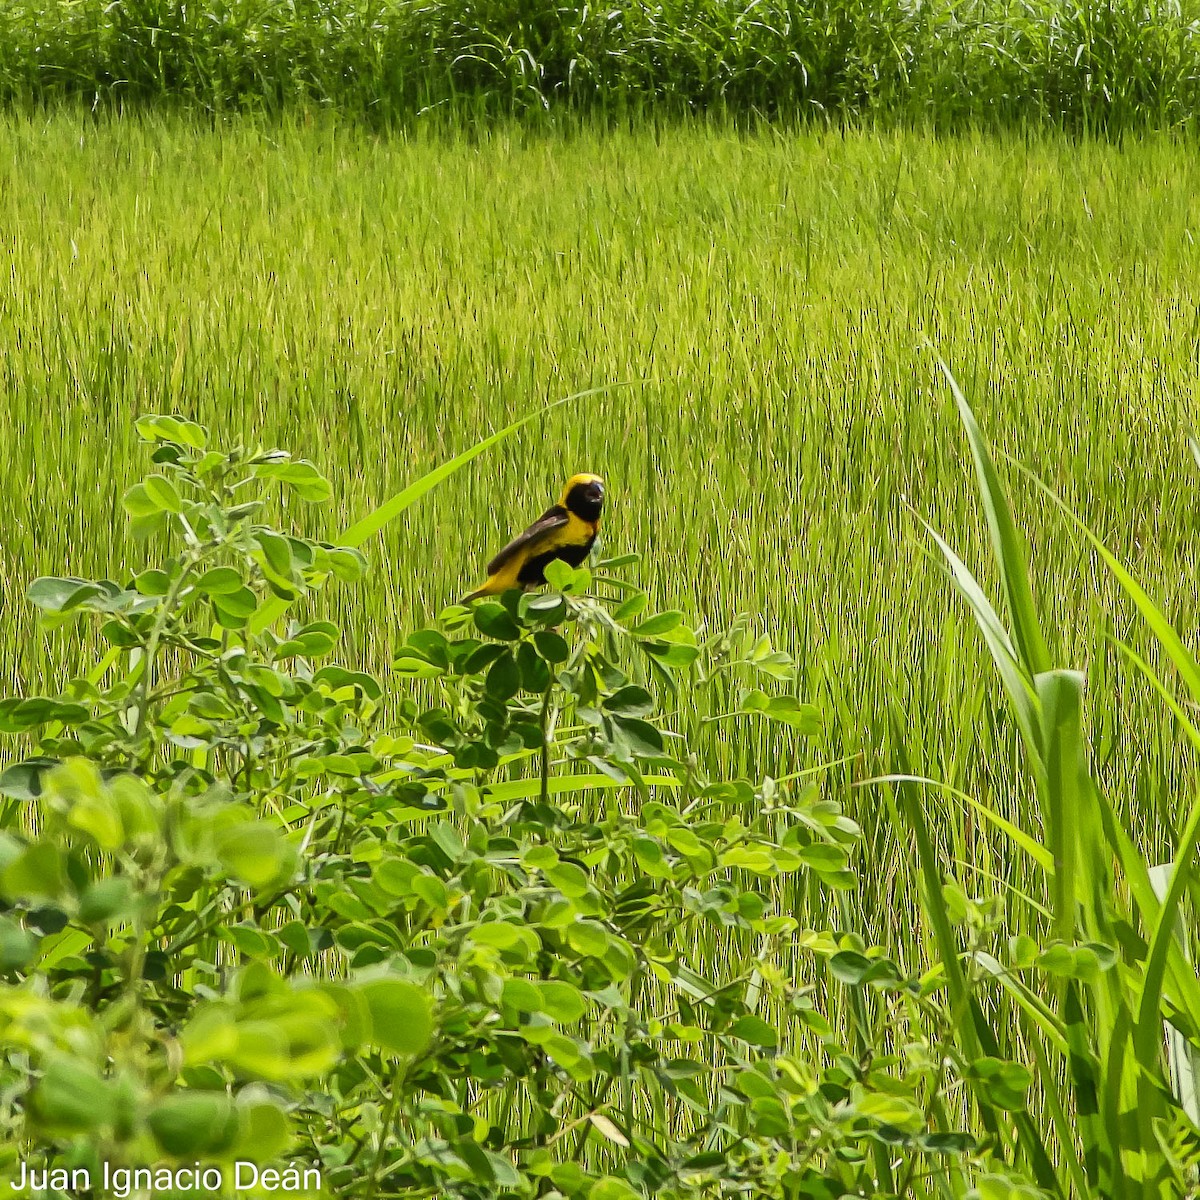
{"x":770,"y":306}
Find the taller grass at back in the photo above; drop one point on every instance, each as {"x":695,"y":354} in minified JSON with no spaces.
{"x":1078,"y":64}
{"x":769,"y":302}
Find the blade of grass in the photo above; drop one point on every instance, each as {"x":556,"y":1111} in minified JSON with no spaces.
{"x":1006,"y":542}
{"x":1169,"y":883}
{"x":1019,"y":837}
{"x":1084,"y":1072}
{"x":1064,"y":1124}
{"x":1017,"y":681}
{"x":374,"y":521}
{"x":1060,"y":693}
{"x":1036,"y":1009}
{"x":1162,"y":629}
{"x":1117,"y":1104}
{"x":566,"y":785}
{"x":1182,"y":1059}
{"x":977,"y":1035}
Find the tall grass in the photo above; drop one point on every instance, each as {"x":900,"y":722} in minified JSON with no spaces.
{"x":382,"y":304}
{"x":1118,"y":967}
{"x":1078,"y":64}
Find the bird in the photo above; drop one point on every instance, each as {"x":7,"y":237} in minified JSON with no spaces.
{"x":564,"y":531}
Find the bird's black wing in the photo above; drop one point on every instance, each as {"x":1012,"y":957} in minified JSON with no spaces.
{"x":552,"y":519}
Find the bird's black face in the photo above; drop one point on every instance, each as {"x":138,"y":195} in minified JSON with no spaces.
{"x":586,"y":500}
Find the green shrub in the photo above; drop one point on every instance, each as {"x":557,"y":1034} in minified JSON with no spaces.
{"x":249,"y":915}
{"x":247,"y":918}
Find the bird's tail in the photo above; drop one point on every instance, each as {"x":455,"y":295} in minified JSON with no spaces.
{"x":477,"y":594}
{"x":492,"y":587}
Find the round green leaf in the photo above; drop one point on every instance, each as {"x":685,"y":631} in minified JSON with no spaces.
{"x":495,"y":621}
{"x":503,"y":679}
{"x":561,"y":1001}
{"x":401,"y":1015}
{"x":194,"y":1123}
{"x":17,"y":945}
{"x":70,"y":1097}
{"x":153,"y":428}
{"x":162,"y":493}
{"x":657,"y":625}
{"x":551,"y":646}
{"x":104,"y":900}
{"x":609,"y":1187}
{"x":220,"y":581}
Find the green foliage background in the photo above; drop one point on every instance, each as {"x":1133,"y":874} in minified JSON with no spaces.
{"x":768,"y":304}
{"x":1079,"y":64}
{"x":378,"y":304}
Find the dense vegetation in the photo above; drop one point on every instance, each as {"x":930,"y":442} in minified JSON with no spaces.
{"x":1110,"y":64}
{"x":197,"y":913}
{"x":244,"y":919}
{"x":765,"y":300}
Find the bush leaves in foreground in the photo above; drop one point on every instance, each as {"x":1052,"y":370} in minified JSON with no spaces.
{"x":244,"y":917}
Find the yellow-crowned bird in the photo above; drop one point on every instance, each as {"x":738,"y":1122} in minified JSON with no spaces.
{"x":565,"y":531}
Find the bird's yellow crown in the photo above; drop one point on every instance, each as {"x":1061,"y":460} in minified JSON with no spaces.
{"x":576,"y":481}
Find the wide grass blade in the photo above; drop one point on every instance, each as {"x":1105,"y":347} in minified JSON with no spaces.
{"x":569,"y":785}
{"x":977,"y":1035}
{"x":1182,"y":1058}
{"x":1116,"y":1115}
{"x":1060,"y":696}
{"x":1184,"y":987}
{"x":1017,"y":680}
{"x":1167,"y":947}
{"x":1180,"y":655}
{"x":1036,"y":851}
{"x":375,"y":521}
{"x":1006,"y":542}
